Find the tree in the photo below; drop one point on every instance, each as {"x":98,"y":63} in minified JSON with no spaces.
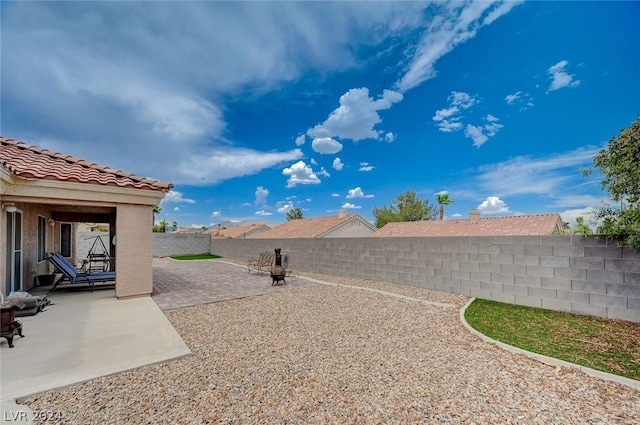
{"x":443,"y":199}
{"x":581,"y":227}
{"x":294,"y":214}
{"x":619,"y":165}
{"x":406,"y":207}
{"x":175,"y":226}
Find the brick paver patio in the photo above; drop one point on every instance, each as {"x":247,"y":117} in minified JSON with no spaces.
{"x":179,"y":284}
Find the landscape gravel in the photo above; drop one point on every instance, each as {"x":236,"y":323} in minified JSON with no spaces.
{"x":345,"y":353}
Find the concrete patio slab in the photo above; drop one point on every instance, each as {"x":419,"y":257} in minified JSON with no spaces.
{"x":84,"y":335}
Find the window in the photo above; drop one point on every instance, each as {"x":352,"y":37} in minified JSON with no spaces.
{"x":65,"y":239}
{"x":42,"y":238}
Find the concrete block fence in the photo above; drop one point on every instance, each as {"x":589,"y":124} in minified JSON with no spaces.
{"x":168,"y":244}
{"x":577,"y":274}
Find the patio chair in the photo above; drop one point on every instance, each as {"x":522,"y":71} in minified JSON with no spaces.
{"x":262,"y":264}
{"x":72,"y":276}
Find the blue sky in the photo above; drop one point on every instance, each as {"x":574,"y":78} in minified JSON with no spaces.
{"x":253,"y":108}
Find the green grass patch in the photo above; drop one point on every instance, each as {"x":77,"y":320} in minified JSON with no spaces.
{"x":611,"y":346}
{"x":196,"y":257}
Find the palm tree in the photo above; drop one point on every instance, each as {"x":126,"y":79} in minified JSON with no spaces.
{"x":582,"y":228}
{"x":443,"y":199}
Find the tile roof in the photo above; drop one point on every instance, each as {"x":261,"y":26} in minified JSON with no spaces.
{"x":32,"y":163}
{"x":239,"y":231}
{"x":306,"y":227}
{"x":519,"y":225}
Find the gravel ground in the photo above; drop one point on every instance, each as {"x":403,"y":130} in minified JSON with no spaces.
{"x":341,"y":354}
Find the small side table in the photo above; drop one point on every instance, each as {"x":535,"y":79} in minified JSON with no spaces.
{"x":8,"y":324}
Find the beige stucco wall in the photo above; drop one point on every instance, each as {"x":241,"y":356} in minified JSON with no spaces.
{"x":134,"y":252}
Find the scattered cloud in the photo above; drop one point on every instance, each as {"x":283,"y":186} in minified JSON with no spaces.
{"x":477,"y":133}
{"x":218,"y":165}
{"x":261,"y":195}
{"x":300,"y":173}
{"x":215,"y":214}
{"x":389,"y":137}
{"x":300,"y":140}
{"x":335,"y":195}
{"x":350,"y":206}
{"x":324,"y":172}
{"x":560,"y":78}
{"x":448,"y":119}
{"x":175,"y":197}
{"x":365,"y":166}
{"x":326,"y":145}
{"x":534,"y":175}
{"x":284,"y":208}
{"x":337,"y":165}
{"x":493,"y":205}
{"x":263,"y":213}
{"x":455,"y":25}
{"x":511,"y":98}
{"x":587,"y":213}
{"x":356,"y":116}
{"x":357,"y":193}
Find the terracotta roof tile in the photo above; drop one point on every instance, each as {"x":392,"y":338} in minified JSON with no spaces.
{"x":32,"y":163}
{"x":305,"y":227}
{"x":521,"y":225}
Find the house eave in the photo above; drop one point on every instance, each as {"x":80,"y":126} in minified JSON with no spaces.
{"x":55,"y":192}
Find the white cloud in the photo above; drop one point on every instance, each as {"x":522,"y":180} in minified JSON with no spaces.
{"x":350,"y":206}
{"x":357,"y":193}
{"x":588,"y":214}
{"x":441,"y":114}
{"x":300,"y":140}
{"x":176,"y":197}
{"x":454,"y":25}
{"x":216,"y":214}
{"x":511,"y":98}
{"x":222,"y":164}
{"x":176,"y":209}
{"x":462,"y":100}
{"x":326,"y":145}
{"x":335,"y":195}
{"x":493,"y":205}
{"x":337,"y":165}
{"x":300,"y":173}
{"x":261,"y":195}
{"x":324,"y":172}
{"x":284,"y":208}
{"x":263,"y":213}
{"x":476,"y":134}
{"x":356,"y":116}
{"x":389,"y":137}
{"x":365,"y":166}
{"x":447,"y":126}
{"x":560,"y":78}
{"x":531,"y":175}
{"x":448,"y":119}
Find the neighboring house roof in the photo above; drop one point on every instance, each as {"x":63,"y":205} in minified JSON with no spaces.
{"x":519,"y":225}
{"x":32,"y":163}
{"x":318,"y":227}
{"x":240,"y":232}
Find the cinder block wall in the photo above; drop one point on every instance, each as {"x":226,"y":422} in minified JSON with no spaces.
{"x":168,"y":244}
{"x":568,"y":273}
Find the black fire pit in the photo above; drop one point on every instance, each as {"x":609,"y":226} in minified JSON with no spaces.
{"x":278,"y":272}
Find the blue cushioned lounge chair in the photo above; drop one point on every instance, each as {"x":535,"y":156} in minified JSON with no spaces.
{"x":73,"y":276}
